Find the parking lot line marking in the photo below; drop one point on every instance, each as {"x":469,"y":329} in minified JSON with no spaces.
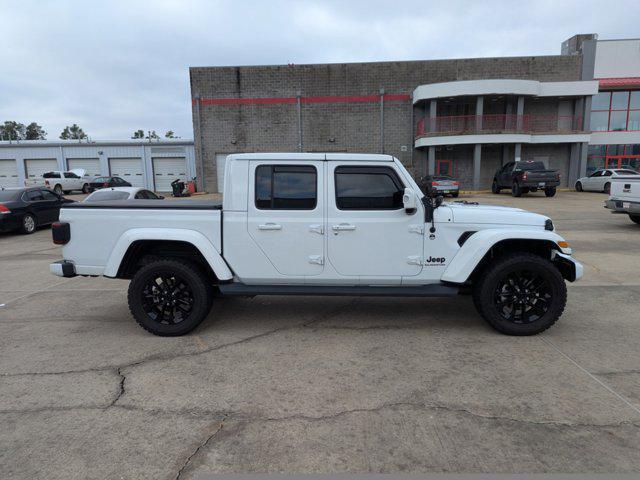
{"x":36,"y":292}
{"x":593,"y":377}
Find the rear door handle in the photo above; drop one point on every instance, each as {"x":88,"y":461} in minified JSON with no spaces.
{"x":343,"y":227}
{"x":270,"y":226}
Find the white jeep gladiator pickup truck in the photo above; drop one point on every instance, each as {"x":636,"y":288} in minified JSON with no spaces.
{"x":61,"y":182}
{"x":318,"y":224}
{"x":625,"y":198}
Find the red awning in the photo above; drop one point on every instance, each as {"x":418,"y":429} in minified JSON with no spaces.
{"x":619,"y":82}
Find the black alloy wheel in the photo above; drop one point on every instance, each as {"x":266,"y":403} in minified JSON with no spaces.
{"x":167,"y":299}
{"x":522,"y":297}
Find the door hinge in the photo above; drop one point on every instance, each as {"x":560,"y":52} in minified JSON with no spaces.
{"x":316,"y":259}
{"x":416,"y":229}
{"x":316,"y":229}
{"x":414,"y":260}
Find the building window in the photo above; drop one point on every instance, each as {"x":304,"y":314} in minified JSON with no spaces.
{"x":613,"y":156}
{"x":444,"y":167}
{"x":615,"y":111}
{"x":286,"y":187}
{"x":368,"y":188}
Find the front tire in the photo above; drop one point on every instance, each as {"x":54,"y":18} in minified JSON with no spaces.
{"x":29,"y":224}
{"x":520,"y":294}
{"x":85,"y":188}
{"x":578,"y":186}
{"x":516,"y":191}
{"x":550,"y":192}
{"x":170,"y":297}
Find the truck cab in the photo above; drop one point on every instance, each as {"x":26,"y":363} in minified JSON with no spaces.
{"x":319,"y":224}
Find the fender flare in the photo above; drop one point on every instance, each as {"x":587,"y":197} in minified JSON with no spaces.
{"x":475,"y":248}
{"x":195,"y":238}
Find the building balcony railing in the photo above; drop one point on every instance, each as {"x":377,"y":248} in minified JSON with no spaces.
{"x":487,"y":124}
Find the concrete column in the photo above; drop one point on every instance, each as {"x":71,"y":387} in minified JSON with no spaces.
{"x":477,"y":152}
{"x":431,"y":166}
{"x":574,"y":164}
{"x":518,"y":155}
{"x":479,"y":110}
{"x":584,"y":149}
{"x":433,"y":110}
{"x":520,"y":113}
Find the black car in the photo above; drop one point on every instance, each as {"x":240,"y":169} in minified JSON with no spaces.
{"x":25,"y":209}
{"x":104,"y":182}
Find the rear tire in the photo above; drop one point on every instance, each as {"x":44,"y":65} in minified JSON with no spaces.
{"x":58,"y":189}
{"x":516,"y":191}
{"x":520,"y":294}
{"x":607,"y":188}
{"x":635,"y":218}
{"x":550,"y":192}
{"x":578,"y":186}
{"x":495,"y":188}
{"x":170,"y":297}
{"x":29,"y":224}
{"x":455,"y":194}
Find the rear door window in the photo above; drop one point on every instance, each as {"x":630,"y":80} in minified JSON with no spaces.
{"x":286,"y":187}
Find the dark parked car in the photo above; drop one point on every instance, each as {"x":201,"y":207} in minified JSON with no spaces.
{"x":440,"y":184}
{"x":104,"y":182}
{"x":526,"y":176}
{"x":25,"y":209}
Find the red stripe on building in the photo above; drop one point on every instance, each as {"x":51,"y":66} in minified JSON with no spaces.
{"x":619,"y":82}
{"x":290,"y":100}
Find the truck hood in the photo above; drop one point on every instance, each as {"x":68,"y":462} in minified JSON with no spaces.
{"x":79,"y":171}
{"x":494,"y":214}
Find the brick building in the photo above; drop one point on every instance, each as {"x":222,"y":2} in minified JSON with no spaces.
{"x":465,"y":117}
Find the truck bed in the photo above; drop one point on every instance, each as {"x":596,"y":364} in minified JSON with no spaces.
{"x":150,"y":204}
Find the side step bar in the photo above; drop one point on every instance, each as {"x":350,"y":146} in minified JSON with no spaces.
{"x":432,"y":290}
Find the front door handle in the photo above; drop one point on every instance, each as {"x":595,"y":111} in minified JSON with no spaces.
{"x":270,"y":226}
{"x":343,"y":227}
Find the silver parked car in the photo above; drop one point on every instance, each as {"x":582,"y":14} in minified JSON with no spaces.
{"x":600,"y":180}
{"x":440,"y":184}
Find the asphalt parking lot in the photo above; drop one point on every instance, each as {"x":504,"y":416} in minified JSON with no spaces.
{"x":322,"y":385}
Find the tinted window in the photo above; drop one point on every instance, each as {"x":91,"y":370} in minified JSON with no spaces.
{"x":608,"y":173}
{"x":529,"y":166}
{"x":48,"y":195}
{"x":106,"y":195}
{"x":597,"y":173}
{"x":34,"y":195}
{"x":51,"y":175}
{"x":284,"y":187}
{"x":368,"y":188}
{"x":9,"y":195}
{"x":150,"y":195}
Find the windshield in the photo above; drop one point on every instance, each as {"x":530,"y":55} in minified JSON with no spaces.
{"x":9,"y":195}
{"x":529,"y":166}
{"x":103,"y":196}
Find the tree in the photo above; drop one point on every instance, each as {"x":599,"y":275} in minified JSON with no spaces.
{"x":11,"y":130}
{"x":74,"y":132}
{"x":34,"y":131}
{"x":138,"y":134}
{"x":153,"y":135}
{"x":170,"y":134}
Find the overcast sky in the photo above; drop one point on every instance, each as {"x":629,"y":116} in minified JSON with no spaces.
{"x":116,"y":66}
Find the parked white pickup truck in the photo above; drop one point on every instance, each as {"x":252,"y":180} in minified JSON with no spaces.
{"x":61,"y":182}
{"x":625,"y":198}
{"x":319,"y":224}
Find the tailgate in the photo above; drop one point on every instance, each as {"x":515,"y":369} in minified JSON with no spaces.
{"x":626,"y":189}
{"x":542,"y":176}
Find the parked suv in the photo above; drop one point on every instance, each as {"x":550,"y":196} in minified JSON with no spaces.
{"x":524,"y":177}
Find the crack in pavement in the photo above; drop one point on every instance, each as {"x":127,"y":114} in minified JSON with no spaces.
{"x":120,"y":393}
{"x":202,"y":445}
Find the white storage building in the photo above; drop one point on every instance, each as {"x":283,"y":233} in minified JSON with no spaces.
{"x":151,"y":164}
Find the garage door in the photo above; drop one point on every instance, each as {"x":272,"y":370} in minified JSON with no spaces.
{"x":221,"y":161}
{"x":129,"y":169}
{"x":166,"y":170}
{"x":91,"y":166}
{"x":37,"y":167}
{"x":8,"y":173}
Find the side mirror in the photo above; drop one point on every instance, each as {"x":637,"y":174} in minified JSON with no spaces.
{"x":409,"y":201}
